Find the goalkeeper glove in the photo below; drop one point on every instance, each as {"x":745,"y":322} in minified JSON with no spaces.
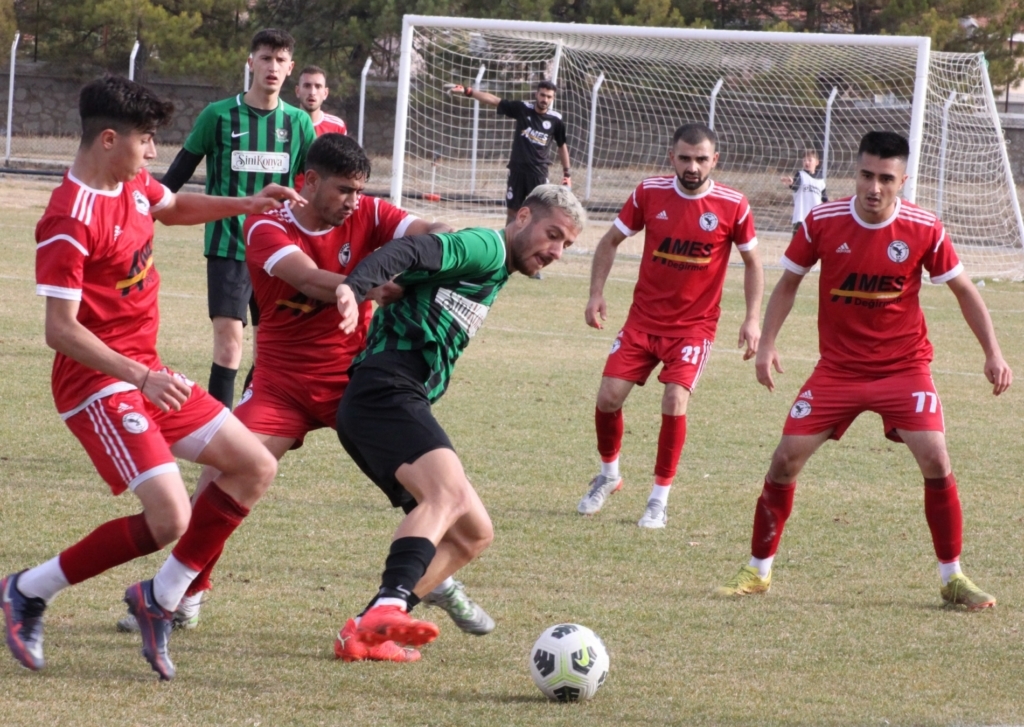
{"x":455,"y":88}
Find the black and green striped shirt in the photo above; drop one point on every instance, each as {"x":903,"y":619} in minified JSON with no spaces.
{"x":442,"y":309}
{"x":247,"y":149}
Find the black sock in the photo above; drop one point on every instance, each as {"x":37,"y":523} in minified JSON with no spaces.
{"x":405,"y":566}
{"x":248,"y":377}
{"x":222,"y":384}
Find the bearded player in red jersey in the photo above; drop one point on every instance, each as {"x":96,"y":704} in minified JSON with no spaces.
{"x":94,"y":265}
{"x":875,"y":353}
{"x":691,"y":225}
{"x":297,"y":256}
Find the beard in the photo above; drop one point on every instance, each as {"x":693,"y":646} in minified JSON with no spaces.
{"x":689,"y":184}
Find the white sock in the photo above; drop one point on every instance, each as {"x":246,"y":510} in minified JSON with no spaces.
{"x":448,"y":583}
{"x":400,"y":602}
{"x":44,"y":581}
{"x":171,"y":582}
{"x":660,"y":493}
{"x":946,"y":571}
{"x":610,"y":469}
{"x":189,"y":605}
{"x":763,"y":565}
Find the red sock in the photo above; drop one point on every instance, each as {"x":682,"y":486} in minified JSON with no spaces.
{"x":945,"y":519}
{"x":609,"y":433}
{"x":109,"y":545}
{"x":202,"y":581}
{"x":773,"y":509}
{"x":214,"y":517}
{"x":671,"y":439}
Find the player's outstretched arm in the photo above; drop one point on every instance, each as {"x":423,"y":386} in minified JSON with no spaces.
{"x":997,"y":371}
{"x":195,"y":209}
{"x":753,"y":292}
{"x":604,"y":257}
{"x":779,"y":306}
{"x":458,"y":90}
{"x":65,"y":334}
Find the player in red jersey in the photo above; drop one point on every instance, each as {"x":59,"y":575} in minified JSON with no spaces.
{"x":312,"y":91}
{"x":94,"y":265}
{"x":691,"y":224}
{"x":297,"y":257}
{"x":875,"y":353}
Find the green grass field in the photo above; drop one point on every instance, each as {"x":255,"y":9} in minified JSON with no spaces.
{"x":852,"y":633}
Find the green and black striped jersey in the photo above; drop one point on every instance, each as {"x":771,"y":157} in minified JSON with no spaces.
{"x":442,"y":310}
{"x":247,"y":149}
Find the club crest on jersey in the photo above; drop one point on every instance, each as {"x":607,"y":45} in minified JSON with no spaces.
{"x":800,"y":409}
{"x":546,"y":124}
{"x":708,"y":221}
{"x":898,"y":251}
{"x":134,"y":423}
{"x":281,"y":135}
{"x":141,"y":203}
{"x":345,"y":254}
{"x":508,"y":194}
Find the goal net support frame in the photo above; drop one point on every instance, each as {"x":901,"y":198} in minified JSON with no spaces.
{"x":768,"y":95}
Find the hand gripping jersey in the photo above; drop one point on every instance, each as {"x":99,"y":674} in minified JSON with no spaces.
{"x":870,"y":322}
{"x":96,"y":247}
{"x":298,"y":333}
{"x":442,"y":310}
{"x":687,"y":244}
{"x":531,"y":145}
{"x":246,"y":149}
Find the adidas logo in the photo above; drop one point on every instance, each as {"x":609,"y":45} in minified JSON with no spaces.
{"x":662,"y":215}
{"x":806,"y":395}
{"x":843,"y":248}
{"x":123,"y":407}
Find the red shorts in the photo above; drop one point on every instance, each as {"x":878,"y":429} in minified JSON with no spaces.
{"x":906,"y":401}
{"x":634,"y":355}
{"x":291,"y":406}
{"x":129,"y":440}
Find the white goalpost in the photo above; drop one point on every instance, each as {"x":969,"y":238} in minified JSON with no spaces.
{"x":624,"y":90}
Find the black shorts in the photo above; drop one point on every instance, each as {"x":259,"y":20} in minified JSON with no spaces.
{"x":520,"y":184}
{"x":229,"y":290}
{"x":384,"y":420}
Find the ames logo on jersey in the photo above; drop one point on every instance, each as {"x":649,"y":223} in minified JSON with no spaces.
{"x":869,"y":290}
{"x":142,"y":263}
{"x":685,"y":254}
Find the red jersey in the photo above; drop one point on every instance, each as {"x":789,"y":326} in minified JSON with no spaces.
{"x":96,"y":247}
{"x":687,"y":245}
{"x":329,"y":124}
{"x":870,"y":322}
{"x":298,"y":333}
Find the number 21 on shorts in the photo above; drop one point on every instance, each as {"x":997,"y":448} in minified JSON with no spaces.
{"x":691,"y":354}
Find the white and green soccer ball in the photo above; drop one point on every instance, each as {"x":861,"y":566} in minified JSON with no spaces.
{"x":569,"y":663}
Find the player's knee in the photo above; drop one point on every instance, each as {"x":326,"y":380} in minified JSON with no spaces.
{"x":934,"y":464}
{"x":169,"y":525}
{"x":263,"y":470}
{"x":609,"y":401}
{"x":785,"y":465}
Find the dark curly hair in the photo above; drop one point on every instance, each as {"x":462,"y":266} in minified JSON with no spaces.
{"x":114,"y":102}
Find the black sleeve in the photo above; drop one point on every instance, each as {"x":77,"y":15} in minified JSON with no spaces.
{"x":181,"y":170}
{"x":796,"y":180}
{"x":417,"y":252}
{"x":824,"y":195}
{"x":512,"y":109}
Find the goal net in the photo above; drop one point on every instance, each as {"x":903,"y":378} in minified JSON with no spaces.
{"x":624,"y":90}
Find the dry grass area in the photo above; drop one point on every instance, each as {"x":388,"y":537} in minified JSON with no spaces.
{"x":852,"y":634}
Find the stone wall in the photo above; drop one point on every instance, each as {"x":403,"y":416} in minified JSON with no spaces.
{"x":46,"y":104}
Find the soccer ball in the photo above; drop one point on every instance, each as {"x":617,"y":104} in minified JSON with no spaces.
{"x":569,"y":662}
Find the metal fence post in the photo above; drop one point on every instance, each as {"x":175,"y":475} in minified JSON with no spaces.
{"x":10,"y":99}
{"x":476,"y":131}
{"x":131,"y":62}
{"x":362,"y":97}
{"x":593,"y":133}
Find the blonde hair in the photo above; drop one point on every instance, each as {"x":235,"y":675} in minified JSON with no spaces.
{"x":555,"y":196}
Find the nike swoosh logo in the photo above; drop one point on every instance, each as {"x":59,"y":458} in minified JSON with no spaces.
{"x":235,"y":136}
